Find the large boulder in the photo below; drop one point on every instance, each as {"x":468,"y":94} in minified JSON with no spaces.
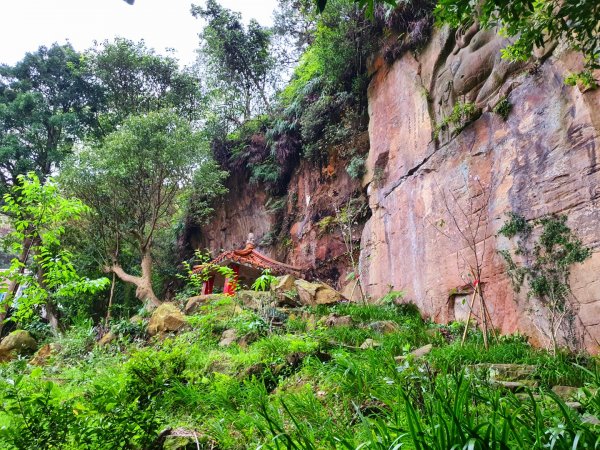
{"x":20,"y":342}
{"x":167,"y":317}
{"x":283,"y":284}
{"x":193,"y":303}
{"x":316,"y":293}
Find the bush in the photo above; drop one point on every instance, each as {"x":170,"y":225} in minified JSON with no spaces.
{"x":356,"y":167}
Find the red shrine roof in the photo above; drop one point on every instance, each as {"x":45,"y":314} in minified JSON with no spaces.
{"x":251,"y":258}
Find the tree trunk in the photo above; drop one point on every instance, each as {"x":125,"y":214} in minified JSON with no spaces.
{"x":52,"y":313}
{"x":13,"y":285}
{"x":143,"y":284}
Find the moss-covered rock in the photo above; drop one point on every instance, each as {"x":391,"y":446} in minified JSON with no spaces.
{"x":20,"y":342}
{"x":166,"y":318}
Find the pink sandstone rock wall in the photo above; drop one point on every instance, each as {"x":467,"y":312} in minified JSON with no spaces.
{"x":543,"y":159}
{"x":313,"y":194}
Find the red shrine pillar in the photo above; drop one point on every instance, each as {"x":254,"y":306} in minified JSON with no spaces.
{"x":209,"y":285}
{"x":230,"y":284}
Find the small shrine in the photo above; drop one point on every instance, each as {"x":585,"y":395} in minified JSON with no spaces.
{"x":247,"y":265}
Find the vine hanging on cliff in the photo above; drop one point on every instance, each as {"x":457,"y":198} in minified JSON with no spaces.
{"x":545,"y":265}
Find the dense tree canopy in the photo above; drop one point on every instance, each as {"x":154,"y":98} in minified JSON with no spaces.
{"x":238,"y":65}
{"x":134,"y":182}
{"x":47,"y":101}
{"x":136,"y":80}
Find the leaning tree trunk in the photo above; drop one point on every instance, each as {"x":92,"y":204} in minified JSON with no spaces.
{"x":143,"y":284}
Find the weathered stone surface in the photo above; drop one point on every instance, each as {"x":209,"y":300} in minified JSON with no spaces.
{"x":311,"y":194}
{"x":193,"y":303}
{"x":543,"y":159}
{"x":369,"y":343}
{"x":285,"y":291}
{"x":335,"y":320}
{"x":107,"y":339}
{"x":505,"y":372}
{"x":255,"y":299}
{"x":228,"y":338}
{"x":565,"y":392}
{"x":19,"y":341}
{"x":283,"y":284}
{"x":316,"y":293}
{"x":422,"y":351}
{"x":166,"y":318}
{"x":42,"y":356}
{"x":384,"y":326}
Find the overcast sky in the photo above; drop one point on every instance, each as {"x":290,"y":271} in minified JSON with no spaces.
{"x":27,"y":24}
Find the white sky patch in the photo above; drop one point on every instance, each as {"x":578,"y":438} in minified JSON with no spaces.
{"x":163,"y":24}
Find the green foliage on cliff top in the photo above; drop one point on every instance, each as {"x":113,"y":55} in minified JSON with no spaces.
{"x":532,"y":24}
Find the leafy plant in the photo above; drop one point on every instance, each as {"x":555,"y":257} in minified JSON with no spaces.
{"x":46,"y":272}
{"x":392,"y":297}
{"x":585,"y":79}
{"x":546,"y":265}
{"x":503,"y":108}
{"x":462,"y":114}
{"x":264,"y":281}
{"x":356,"y":167}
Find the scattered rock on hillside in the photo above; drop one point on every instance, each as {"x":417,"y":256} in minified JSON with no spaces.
{"x":384,"y":326}
{"x":254,"y":300}
{"x":505,"y":372}
{"x":167,"y":317}
{"x":107,"y":339}
{"x":369,"y":343}
{"x":193,"y":303}
{"x":418,"y":353}
{"x":335,"y":320}
{"x":19,"y":341}
{"x":421,"y":351}
{"x":228,"y":338}
{"x":43,"y":354}
{"x":318,"y":293}
{"x":565,"y":392}
{"x":283,"y":284}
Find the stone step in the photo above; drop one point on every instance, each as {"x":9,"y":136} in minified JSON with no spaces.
{"x":504,"y":372}
{"x":516,"y":386}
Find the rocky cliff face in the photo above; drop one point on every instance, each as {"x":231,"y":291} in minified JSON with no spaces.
{"x":441,"y":160}
{"x":295,"y":228}
{"x":542,"y":159}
